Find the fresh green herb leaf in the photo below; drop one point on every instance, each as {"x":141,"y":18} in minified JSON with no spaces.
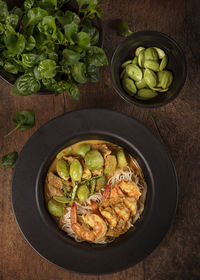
{"x":47,"y":68}
{"x":83,"y":2}
{"x":18,"y":11}
{"x":3,"y":11}
{"x":93,"y":73}
{"x":37,"y":73}
{"x":123,"y":30}
{"x":72,"y":17}
{"x":50,"y":84}
{"x":74,"y":92}
{"x":28,"y":4}
{"x":47,"y":26}
{"x":91,"y":30}
{"x":2,"y":28}
{"x":96,"y":56}
{"x":25,"y":85}
{"x":33,"y":16}
{"x":68,"y":18}
{"x":83,"y":40}
{"x":53,"y":56}
{"x":1,"y":61}
{"x":18,"y":63}
{"x":90,"y":8}
{"x":23,"y":120}
{"x":9,"y":159}
{"x":29,"y":59}
{"x":30,"y":43}
{"x":15,"y":42}
{"x":12,"y":20}
{"x":70,"y":57}
{"x":48,"y":4}
{"x":60,"y":38}
{"x":61,"y":87}
{"x":11,"y":68}
{"x":70,"y":29}
{"x":79,"y":72}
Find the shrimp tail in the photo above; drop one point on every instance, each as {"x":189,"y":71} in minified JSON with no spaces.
{"x":73,"y":214}
{"x":94,"y":207}
{"x":106,"y":193}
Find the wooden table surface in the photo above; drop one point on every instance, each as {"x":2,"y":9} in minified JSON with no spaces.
{"x":176,"y":125}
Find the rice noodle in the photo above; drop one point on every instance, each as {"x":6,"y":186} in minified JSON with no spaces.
{"x":121,"y":174}
{"x":97,"y":197}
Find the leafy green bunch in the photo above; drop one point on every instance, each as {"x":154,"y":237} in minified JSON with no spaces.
{"x":50,"y":48}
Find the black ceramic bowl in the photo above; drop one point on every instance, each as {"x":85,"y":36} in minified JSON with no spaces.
{"x":176,"y":64}
{"x":42,"y":232}
{"x":71,"y":5}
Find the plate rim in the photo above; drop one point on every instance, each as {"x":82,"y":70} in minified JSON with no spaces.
{"x":164,"y":148}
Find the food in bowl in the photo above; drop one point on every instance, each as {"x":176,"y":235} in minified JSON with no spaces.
{"x":144,"y":76}
{"x":95,"y":191}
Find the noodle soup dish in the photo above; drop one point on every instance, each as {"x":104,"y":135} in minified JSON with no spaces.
{"x":95,"y":191}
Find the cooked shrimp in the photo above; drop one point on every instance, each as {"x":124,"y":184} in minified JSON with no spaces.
{"x":130,"y":188}
{"x":106,"y":193}
{"x":122,"y":211}
{"x":109,"y":215}
{"x":97,"y":224}
{"x":131,"y":204}
{"x":118,"y":230}
{"x":94,"y":206}
{"x":117,"y":200}
{"x":116,"y":194}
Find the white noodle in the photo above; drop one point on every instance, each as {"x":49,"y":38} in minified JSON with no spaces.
{"x":97,"y":197}
{"x":120,"y":175}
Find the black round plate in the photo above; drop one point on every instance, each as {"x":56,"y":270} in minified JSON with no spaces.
{"x":37,"y":225}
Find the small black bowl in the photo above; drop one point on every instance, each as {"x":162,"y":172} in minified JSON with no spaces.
{"x":72,"y":6}
{"x":176,"y":64}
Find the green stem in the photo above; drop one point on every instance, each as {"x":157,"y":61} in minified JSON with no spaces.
{"x":77,"y":184}
{"x":74,"y":192}
{"x":93,"y":185}
{"x":14,"y":129}
{"x":91,"y":179}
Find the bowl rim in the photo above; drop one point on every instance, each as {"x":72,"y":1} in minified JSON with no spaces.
{"x":35,"y":237}
{"x":125,"y":95}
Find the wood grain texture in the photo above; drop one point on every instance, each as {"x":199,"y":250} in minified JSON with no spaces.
{"x":176,"y":125}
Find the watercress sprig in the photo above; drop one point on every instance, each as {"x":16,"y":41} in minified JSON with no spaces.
{"x":9,"y":159}
{"x":123,"y":29}
{"x":23,"y":120}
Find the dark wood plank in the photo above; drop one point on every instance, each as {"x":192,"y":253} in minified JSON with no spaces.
{"x":176,"y":125}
